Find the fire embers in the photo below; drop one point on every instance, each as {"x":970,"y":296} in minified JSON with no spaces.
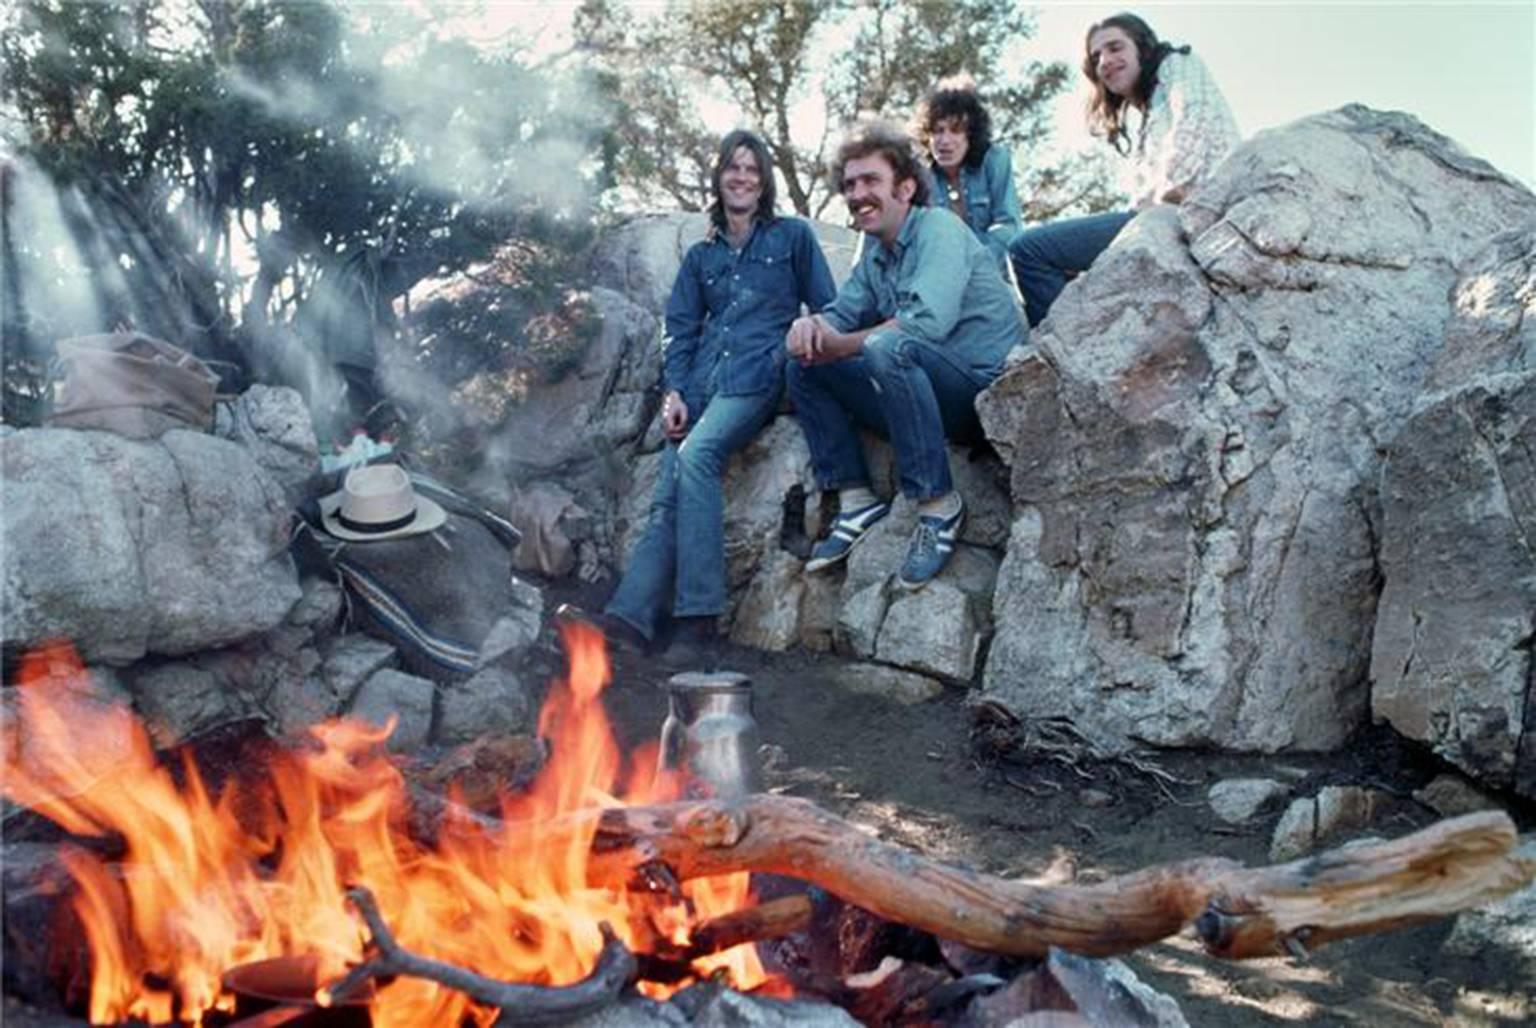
{"x":196,"y":881}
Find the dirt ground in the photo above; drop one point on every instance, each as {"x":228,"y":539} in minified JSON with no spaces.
{"x":918,"y":777}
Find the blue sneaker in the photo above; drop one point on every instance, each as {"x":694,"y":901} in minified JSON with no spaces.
{"x":847,"y":530}
{"x":930,"y":548}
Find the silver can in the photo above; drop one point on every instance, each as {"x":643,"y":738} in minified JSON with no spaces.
{"x":710,"y":736}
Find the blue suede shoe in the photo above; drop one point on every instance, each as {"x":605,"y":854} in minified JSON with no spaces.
{"x":932,"y":543}
{"x":847,"y":530}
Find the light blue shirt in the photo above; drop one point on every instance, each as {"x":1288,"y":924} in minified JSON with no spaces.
{"x":940,"y":284}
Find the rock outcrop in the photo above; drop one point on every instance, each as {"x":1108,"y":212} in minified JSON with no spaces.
{"x":1452,"y":650}
{"x":1195,"y":449}
{"x":130,"y":548}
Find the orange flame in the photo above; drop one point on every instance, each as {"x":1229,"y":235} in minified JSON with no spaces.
{"x":208,"y":882}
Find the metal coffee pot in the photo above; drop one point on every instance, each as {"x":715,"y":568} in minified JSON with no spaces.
{"x":710,"y":736}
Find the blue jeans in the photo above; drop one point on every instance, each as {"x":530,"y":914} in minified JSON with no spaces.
{"x":1046,"y":256}
{"x":679,"y":563}
{"x":908,"y":390}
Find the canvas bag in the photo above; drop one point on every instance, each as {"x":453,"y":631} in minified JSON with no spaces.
{"x":132,"y":384}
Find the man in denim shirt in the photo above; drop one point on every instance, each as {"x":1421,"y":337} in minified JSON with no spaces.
{"x":734,"y":297}
{"x":971,"y":175}
{"x":921,"y":326}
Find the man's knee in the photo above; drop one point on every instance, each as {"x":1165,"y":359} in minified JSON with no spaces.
{"x":702,"y":457}
{"x":1028,"y":247}
{"x":888,"y":351}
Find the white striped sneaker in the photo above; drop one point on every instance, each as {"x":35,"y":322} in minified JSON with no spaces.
{"x":847,"y":530}
{"x":932,"y":543}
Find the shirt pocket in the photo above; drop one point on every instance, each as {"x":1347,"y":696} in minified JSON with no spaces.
{"x":978,"y":206}
{"x":768,"y":277}
{"x":715,"y":274}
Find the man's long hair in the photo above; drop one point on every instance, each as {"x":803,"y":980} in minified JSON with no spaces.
{"x":889,"y":140}
{"x":1106,"y":110}
{"x":955,"y":99}
{"x":733,"y":141}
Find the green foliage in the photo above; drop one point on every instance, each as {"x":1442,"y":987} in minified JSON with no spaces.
{"x":800,"y":70}
{"x":231,"y":174}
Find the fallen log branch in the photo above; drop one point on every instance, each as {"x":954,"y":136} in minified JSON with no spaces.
{"x":1238,"y":912}
{"x":520,"y":1004}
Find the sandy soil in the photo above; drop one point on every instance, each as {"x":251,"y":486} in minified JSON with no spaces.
{"x":921,"y":777}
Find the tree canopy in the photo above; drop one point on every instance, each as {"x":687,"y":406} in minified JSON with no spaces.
{"x":264,"y":181}
{"x":798,"y":71}
{"x":254,"y":176}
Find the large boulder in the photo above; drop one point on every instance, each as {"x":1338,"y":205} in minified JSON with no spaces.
{"x":131,"y":548}
{"x":1195,"y":447}
{"x":1451,"y":659}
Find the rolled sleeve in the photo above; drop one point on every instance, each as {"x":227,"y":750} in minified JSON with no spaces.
{"x":929,"y":305}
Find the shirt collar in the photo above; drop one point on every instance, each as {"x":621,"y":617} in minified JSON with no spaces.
{"x":903,"y":238}
{"x":715,"y":234}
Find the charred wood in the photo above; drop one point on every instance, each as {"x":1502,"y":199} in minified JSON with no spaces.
{"x":519,"y":1004}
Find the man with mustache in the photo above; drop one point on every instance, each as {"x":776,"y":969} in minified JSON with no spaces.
{"x":922,"y":325}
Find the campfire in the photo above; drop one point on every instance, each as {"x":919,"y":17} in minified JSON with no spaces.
{"x":207,"y":883}
{"x":314,"y":879}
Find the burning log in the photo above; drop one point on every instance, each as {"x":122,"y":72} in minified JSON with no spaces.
{"x":524,"y":1004}
{"x":770,"y":920}
{"x":1238,"y":912}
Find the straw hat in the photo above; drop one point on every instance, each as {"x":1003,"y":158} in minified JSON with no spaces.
{"x":377,"y":502}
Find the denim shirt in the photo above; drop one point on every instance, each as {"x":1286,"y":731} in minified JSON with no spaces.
{"x":940,"y":284}
{"x":991,"y":199}
{"x":730,"y":310}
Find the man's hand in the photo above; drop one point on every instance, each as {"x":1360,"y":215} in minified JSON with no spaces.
{"x":813,"y":340}
{"x":802,"y":340}
{"x":674,"y":416}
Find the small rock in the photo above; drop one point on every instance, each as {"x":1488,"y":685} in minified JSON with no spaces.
{"x":1296,"y":832}
{"x":493,"y":702}
{"x":296,"y":703}
{"x":858,"y":624}
{"x":1343,"y":808}
{"x":820,"y":597}
{"x":1311,"y":821}
{"x":319,"y":607}
{"x":1452,"y":795}
{"x":350,"y":659}
{"x":178,"y":699}
{"x":933,"y":630}
{"x":394,"y":693}
{"x":1237,"y":800}
{"x":1094,"y":798}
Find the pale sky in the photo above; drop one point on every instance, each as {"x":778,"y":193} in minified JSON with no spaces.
{"x":1466,"y":69}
